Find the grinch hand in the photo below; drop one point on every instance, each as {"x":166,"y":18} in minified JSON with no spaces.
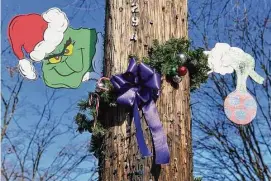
{"x":240,"y":107}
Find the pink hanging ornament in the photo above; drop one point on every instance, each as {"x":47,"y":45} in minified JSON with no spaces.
{"x":239,"y":106}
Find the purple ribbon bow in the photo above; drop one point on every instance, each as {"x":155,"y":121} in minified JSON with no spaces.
{"x":139,"y":87}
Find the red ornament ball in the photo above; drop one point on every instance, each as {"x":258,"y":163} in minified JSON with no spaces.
{"x":182,"y":71}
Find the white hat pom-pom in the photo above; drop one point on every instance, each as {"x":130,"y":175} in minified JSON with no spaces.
{"x":26,"y":69}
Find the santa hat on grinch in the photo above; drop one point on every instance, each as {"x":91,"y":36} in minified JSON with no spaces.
{"x":38,"y":35}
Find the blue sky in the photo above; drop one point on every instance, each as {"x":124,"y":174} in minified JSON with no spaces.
{"x":223,"y":21}
{"x":34,"y":92}
{"x":92,"y":17}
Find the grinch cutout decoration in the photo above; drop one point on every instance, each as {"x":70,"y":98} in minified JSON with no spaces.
{"x":240,"y":107}
{"x":69,"y":56}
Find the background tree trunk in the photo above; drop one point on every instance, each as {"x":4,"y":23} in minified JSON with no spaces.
{"x":161,"y":20}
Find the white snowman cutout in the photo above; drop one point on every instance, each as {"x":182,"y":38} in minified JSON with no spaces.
{"x":239,"y":106}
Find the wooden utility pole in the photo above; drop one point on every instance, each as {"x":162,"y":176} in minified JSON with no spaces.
{"x":131,"y":27}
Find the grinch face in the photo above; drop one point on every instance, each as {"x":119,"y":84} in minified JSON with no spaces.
{"x":68,"y":63}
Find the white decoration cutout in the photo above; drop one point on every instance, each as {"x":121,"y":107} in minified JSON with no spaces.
{"x":240,"y":107}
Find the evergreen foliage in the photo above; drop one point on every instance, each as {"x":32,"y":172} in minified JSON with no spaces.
{"x":165,"y":59}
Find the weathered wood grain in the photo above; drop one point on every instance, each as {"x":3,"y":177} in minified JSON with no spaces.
{"x":162,"y":20}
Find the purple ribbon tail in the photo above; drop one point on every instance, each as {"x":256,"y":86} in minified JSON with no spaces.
{"x":139,"y":133}
{"x":140,"y":85}
{"x":158,"y":135}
